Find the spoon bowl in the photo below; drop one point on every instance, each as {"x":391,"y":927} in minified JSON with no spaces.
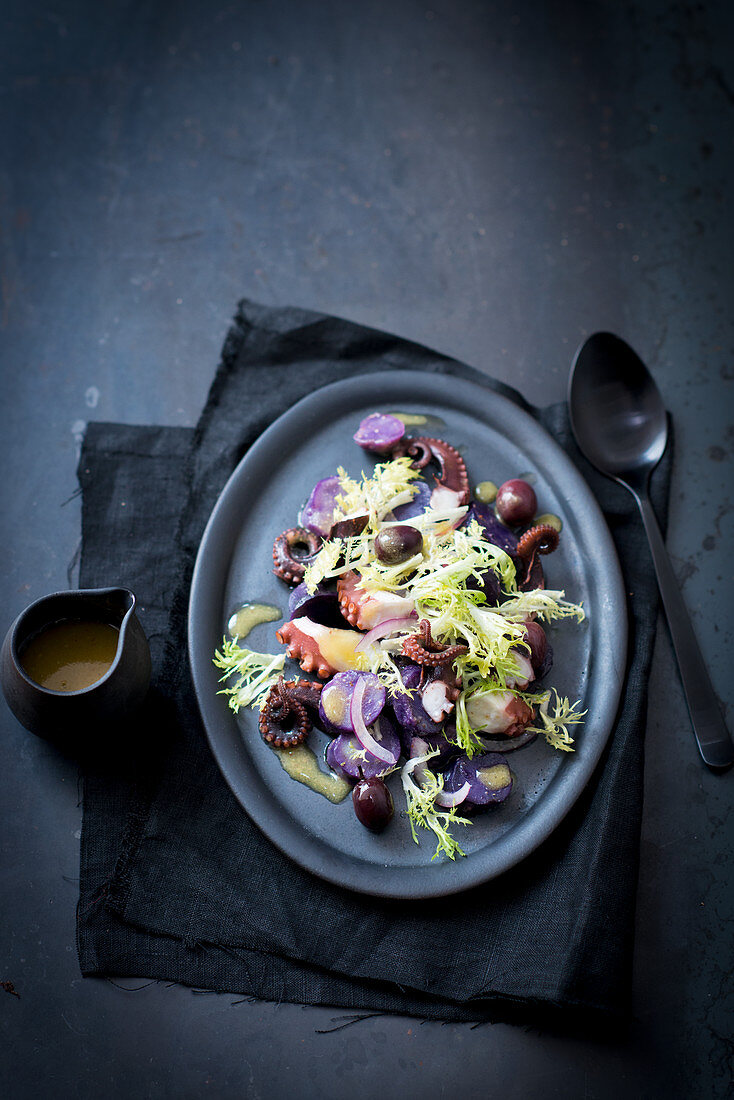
{"x":617,"y":411}
{"x":621,"y":426}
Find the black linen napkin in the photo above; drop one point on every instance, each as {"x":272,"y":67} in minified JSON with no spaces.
{"x":178,"y":884}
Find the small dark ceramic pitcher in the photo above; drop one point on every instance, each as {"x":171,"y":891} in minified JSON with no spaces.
{"x":71,"y":718}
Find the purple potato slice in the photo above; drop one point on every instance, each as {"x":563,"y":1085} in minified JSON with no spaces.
{"x":409,"y":711}
{"x":317,"y":514}
{"x":418,"y":505}
{"x":379,"y":433}
{"x":346,"y":756}
{"x":494,"y":531}
{"x":335,"y":703}
{"x":489,"y":585}
{"x":446,"y":750}
{"x":489,"y":778}
{"x":321,"y":607}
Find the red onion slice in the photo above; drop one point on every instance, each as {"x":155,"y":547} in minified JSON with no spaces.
{"x":455,"y":798}
{"x":389,"y":626}
{"x":419,"y":747}
{"x":364,"y":736}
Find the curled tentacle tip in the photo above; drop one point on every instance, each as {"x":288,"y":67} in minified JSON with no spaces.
{"x":292,"y":552}
{"x":542,"y":539}
{"x":425,"y":651}
{"x":284,"y":722}
{"x":452,"y":468}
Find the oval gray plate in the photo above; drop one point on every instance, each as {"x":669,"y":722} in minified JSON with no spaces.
{"x":263,"y":497}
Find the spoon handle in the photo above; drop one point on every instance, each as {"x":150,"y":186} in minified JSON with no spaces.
{"x":712,"y":736}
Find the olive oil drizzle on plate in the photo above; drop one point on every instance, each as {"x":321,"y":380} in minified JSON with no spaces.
{"x":414,"y":420}
{"x":301,"y":764}
{"x":250,"y":615}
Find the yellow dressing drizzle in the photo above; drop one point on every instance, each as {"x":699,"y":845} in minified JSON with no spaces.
{"x":416,"y":419}
{"x":300,"y":763}
{"x":250,"y":615}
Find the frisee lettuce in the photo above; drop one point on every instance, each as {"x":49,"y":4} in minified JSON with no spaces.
{"x":423,"y":813}
{"x":467,"y":738}
{"x":555,"y":727}
{"x":390,"y":485}
{"x":387,"y":672}
{"x":546,"y":603}
{"x":253,"y":674}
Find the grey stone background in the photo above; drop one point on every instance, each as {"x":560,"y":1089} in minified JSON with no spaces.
{"x":496,"y":180}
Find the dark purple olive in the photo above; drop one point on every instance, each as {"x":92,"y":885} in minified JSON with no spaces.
{"x":516,"y":502}
{"x":347,"y":528}
{"x":394,"y":545}
{"x":373,"y":804}
{"x":546,"y":664}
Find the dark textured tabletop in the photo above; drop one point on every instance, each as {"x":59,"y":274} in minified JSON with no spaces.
{"x":494,"y":180}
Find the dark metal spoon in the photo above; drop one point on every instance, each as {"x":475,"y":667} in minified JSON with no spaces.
{"x":620,"y":424}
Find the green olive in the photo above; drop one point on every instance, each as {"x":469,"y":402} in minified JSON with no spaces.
{"x":394,"y":545}
{"x":551,"y":519}
{"x":486,"y":492}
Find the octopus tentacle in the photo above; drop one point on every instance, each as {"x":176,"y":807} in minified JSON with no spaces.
{"x":284,"y":721}
{"x":534,"y":576}
{"x":364,"y":610}
{"x":424,"y":650}
{"x":320,"y":649}
{"x":447,"y":675}
{"x":542,"y":538}
{"x":417,"y":447}
{"x":307,"y":692}
{"x":288,"y":565}
{"x":520,"y":714}
{"x":452,"y":468}
{"x":350,"y":597}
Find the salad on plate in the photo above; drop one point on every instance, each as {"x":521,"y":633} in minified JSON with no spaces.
{"x":421,"y":609}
